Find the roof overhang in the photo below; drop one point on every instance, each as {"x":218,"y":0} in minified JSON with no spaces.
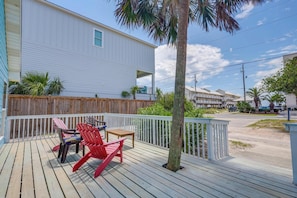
{"x":141,"y":74}
{"x":13,"y":38}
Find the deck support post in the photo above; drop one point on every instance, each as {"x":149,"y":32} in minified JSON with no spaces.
{"x":292,"y":128}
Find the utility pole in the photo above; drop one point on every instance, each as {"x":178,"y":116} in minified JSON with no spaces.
{"x":243,"y":79}
{"x":195,"y":81}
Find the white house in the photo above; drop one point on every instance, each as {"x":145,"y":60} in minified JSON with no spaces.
{"x":90,"y":58}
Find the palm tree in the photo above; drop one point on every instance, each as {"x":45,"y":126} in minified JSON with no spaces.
{"x":37,"y":84}
{"x":276,"y":97}
{"x":255,"y":93}
{"x":134,"y":90}
{"x":271,"y":101}
{"x":159,"y":93}
{"x":168,"y":20}
{"x":55,"y":87}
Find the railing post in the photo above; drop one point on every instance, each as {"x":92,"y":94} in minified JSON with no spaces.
{"x":7,"y":130}
{"x":210,"y":144}
{"x":154,"y":132}
{"x":292,"y":128}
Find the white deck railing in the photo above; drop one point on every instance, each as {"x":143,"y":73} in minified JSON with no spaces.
{"x":204,"y":138}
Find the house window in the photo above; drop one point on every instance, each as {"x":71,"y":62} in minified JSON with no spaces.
{"x":98,"y":38}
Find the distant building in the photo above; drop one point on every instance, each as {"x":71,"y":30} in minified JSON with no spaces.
{"x":289,"y":57}
{"x":229,"y":99}
{"x":204,"y":98}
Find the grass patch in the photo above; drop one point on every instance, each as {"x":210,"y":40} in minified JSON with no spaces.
{"x":272,"y":123}
{"x":239,"y":144}
{"x":213,"y":110}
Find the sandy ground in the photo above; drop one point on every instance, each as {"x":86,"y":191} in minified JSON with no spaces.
{"x":270,"y":148}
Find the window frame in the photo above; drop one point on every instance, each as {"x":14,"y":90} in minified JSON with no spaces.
{"x":94,"y":37}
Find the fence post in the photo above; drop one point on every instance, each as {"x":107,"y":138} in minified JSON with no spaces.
{"x":210,"y":144}
{"x":292,"y":128}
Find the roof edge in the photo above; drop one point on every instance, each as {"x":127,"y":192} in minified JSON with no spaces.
{"x":94,"y":22}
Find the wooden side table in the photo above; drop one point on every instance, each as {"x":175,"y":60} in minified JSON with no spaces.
{"x":120,"y":133}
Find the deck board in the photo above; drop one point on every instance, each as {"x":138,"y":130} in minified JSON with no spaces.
{"x":9,"y":156}
{"x":27,"y":189}
{"x":15,"y":182}
{"x":31,"y":169}
{"x":252,"y":182}
{"x":52,"y":182}
{"x":39,"y":178}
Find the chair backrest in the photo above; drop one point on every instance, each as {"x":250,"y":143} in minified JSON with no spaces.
{"x":92,"y":138}
{"x":58,"y":123}
{"x":90,"y":134}
{"x":90,"y":120}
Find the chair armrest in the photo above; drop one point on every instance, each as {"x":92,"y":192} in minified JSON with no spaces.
{"x":70,"y":131}
{"x":92,"y":121}
{"x":121,"y":140}
{"x":101,"y":122}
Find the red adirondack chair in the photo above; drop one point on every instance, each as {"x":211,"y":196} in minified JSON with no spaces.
{"x":98,"y":148}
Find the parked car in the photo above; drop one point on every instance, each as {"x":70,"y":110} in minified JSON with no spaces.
{"x":278,"y":108}
{"x":232,"y":109}
{"x":264,"y":109}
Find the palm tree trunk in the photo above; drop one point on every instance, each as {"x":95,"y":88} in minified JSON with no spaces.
{"x":179,"y":97}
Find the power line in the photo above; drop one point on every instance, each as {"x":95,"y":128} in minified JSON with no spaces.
{"x":228,"y":66}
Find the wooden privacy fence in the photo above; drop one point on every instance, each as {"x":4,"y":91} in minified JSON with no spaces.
{"x":44,"y":105}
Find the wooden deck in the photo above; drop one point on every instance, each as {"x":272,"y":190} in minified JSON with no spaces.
{"x":31,"y":169}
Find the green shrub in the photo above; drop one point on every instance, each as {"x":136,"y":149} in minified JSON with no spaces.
{"x":125,"y":94}
{"x":164,"y":107}
{"x":244,"y":107}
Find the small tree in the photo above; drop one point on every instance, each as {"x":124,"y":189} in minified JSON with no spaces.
{"x":276,"y":97}
{"x":284,"y":80}
{"x":37,"y":84}
{"x":159,"y":93}
{"x":256,"y":94}
{"x":134,"y":90}
{"x":125,"y":94}
{"x":244,"y":107}
{"x":55,"y":87}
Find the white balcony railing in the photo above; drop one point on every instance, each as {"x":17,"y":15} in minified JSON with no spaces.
{"x":204,"y":138}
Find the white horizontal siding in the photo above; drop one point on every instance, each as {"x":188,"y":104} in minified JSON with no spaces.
{"x":62,"y":44}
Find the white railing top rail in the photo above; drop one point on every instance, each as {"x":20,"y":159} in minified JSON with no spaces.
{"x":155,"y":117}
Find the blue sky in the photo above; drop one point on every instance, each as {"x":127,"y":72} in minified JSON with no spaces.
{"x":268,"y":32}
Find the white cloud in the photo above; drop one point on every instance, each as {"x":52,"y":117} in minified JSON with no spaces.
{"x":261,"y":22}
{"x":204,"y":61}
{"x":245,"y":11}
{"x":274,"y":65}
{"x":281,"y":51}
{"x":289,"y":48}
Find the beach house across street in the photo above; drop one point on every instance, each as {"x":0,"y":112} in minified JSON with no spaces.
{"x":92,"y":59}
